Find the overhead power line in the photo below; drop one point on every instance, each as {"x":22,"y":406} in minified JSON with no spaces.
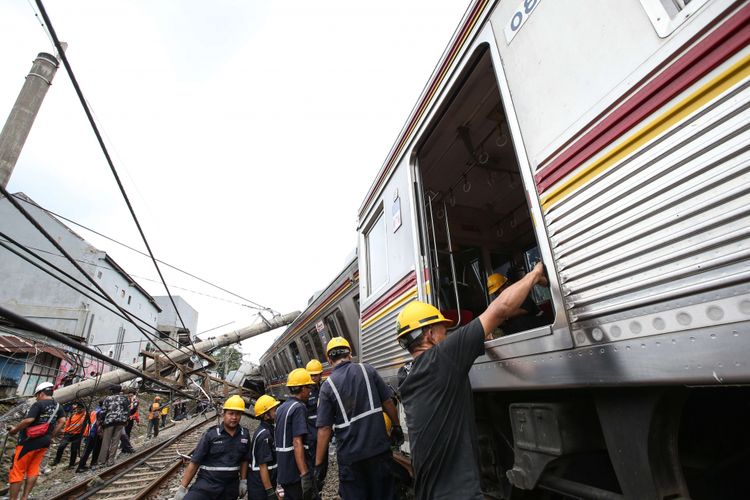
{"x":252,"y":303}
{"x":84,"y":104}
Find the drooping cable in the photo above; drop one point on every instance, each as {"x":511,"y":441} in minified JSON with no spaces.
{"x":251,"y":303}
{"x":103,"y":147}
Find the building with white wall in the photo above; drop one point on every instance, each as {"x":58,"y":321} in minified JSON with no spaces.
{"x":168,"y":323}
{"x":31,"y":292}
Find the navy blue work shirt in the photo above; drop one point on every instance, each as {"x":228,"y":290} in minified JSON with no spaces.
{"x":219,"y":454}
{"x":291,"y":422}
{"x":262,"y":451}
{"x":351,"y":402}
{"x":312,"y":414}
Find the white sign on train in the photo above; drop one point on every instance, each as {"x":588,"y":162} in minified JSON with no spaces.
{"x":519,"y":17}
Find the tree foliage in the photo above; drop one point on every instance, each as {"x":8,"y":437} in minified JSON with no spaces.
{"x":227,"y":358}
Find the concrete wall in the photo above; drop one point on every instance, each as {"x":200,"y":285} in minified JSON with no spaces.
{"x":38,"y":296}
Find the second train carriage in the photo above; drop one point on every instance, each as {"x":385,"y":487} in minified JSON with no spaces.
{"x":331,"y":312}
{"x":609,"y":139}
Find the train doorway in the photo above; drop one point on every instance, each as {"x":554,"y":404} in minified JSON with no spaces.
{"x":474,"y":213}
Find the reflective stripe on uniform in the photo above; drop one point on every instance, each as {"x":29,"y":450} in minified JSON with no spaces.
{"x":347,"y":420}
{"x":286,"y":417}
{"x":252,"y":464}
{"x":227,"y":469}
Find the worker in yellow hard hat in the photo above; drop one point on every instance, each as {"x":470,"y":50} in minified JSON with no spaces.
{"x":220,"y":458}
{"x":315,"y":369}
{"x":436,"y":393}
{"x":295,"y":462}
{"x":352,"y":400}
{"x":525,"y":317}
{"x":261,"y":478}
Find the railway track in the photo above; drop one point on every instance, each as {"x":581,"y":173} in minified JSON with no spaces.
{"x":141,"y":474}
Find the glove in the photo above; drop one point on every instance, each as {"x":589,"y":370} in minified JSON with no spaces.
{"x":397,"y":436}
{"x":308,"y":486}
{"x":243,"y":487}
{"x":321,"y":471}
{"x":271,"y":494}
{"x":181,"y":492}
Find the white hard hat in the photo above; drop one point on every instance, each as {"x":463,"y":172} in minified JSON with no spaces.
{"x":43,"y":386}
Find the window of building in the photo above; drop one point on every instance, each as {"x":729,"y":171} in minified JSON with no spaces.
{"x":43,"y":368}
{"x":122,"y":293}
{"x":668,"y":15}
{"x":129,"y":298}
{"x":99,"y":274}
{"x":118,"y":345}
{"x":375,"y":252}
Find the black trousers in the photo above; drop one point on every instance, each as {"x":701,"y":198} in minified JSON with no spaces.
{"x":129,"y":426}
{"x":93,"y":445}
{"x":369,"y":479}
{"x":209,"y":487}
{"x":74,"y":440}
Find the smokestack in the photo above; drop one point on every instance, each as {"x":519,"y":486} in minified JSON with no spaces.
{"x":22,"y":116}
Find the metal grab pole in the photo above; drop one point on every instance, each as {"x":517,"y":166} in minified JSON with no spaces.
{"x":453,"y":268}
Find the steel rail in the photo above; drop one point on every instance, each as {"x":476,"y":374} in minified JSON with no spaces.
{"x":83,"y":490}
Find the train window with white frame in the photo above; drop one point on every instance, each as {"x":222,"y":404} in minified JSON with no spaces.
{"x":296,"y":356}
{"x":376,"y":254}
{"x":668,"y":15}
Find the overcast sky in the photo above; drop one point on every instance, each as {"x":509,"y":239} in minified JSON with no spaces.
{"x":247,"y":132}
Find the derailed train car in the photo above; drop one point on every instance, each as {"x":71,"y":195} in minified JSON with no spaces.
{"x":610,"y":140}
{"x":331,"y":312}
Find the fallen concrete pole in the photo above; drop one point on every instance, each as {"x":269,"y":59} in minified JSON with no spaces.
{"x":92,"y":385}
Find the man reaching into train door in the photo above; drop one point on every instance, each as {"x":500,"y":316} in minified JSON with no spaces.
{"x":352,"y":401}
{"x":444,"y":443}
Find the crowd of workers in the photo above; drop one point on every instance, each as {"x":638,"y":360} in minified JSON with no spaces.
{"x":289,"y":449}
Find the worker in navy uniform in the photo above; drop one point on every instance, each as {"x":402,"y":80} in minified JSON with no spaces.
{"x":295,"y":463}
{"x":315,"y":369}
{"x":437,"y":395}
{"x":261,"y":478}
{"x":352,"y":402}
{"x":220,"y":459}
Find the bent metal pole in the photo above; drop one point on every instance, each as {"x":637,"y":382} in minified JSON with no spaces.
{"x":129,"y":372}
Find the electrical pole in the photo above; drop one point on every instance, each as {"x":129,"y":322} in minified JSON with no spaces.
{"x":21,"y":118}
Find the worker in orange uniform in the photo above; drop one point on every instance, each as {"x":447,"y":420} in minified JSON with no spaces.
{"x":44,"y":420}
{"x":153,"y":418}
{"x":72,"y":435}
{"x":439,"y":379}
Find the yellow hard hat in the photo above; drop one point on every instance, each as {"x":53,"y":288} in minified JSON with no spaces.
{"x":299,"y":377}
{"x":234,"y":403}
{"x":265,"y":403}
{"x":388,"y":424}
{"x":314,"y":367}
{"x":337,"y":342}
{"x":495,"y":282}
{"x":415,"y":316}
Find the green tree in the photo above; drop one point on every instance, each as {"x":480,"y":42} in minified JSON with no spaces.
{"x":227,"y":358}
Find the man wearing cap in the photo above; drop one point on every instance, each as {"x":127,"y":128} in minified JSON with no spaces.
{"x":295,"y":462}
{"x":115,"y":412}
{"x":261,"y":478}
{"x":153,"y":418}
{"x":44,"y":420}
{"x":444,"y":443}
{"x":220,"y":459}
{"x":352,"y":402}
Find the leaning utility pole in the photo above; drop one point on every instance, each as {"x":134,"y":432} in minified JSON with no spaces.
{"x":22,"y":116}
{"x":90,"y":386}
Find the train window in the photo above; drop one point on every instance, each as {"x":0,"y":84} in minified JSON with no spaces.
{"x":294,"y":348}
{"x":668,"y":15}
{"x":317,"y":344}
{"x":337,"y":327}
{"x":308,"y":347}
{"x":476,"y":219}
{"x":375,"y":252}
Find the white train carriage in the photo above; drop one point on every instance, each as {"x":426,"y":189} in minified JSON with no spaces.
{"x":609,"y":139}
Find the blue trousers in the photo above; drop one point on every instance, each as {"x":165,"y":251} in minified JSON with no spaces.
{"x":211,"y":487}
{"x":369,"y":479}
